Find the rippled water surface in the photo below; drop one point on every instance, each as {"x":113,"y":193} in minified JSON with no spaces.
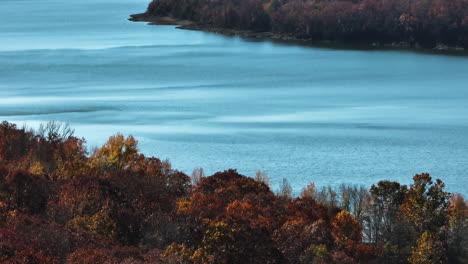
{"x":206,"y":100}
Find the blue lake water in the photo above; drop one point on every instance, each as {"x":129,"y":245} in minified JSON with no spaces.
{"x":206,"y":100}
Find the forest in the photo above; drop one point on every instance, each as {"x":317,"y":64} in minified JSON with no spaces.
{"x":63,"y":203}
{"x":411,"y":23}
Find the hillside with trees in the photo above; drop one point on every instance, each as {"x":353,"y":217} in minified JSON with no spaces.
{"x":415,"y":23}
{"x":60,"y":203}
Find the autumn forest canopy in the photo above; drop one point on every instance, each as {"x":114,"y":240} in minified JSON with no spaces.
{"x":62,"y":203}
{"x":425,"y":23}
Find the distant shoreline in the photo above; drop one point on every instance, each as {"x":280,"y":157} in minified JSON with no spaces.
{"x":191,"y":25}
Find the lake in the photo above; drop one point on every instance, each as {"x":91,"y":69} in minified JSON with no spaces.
{"x":205,"y":100}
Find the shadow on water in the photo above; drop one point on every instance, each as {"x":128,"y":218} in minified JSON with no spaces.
{"x":340,"y":45}
{"x":335,"y":45}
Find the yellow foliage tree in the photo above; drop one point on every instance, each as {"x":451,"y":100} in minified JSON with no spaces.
{"x":117,"y":152}
{"x":71,"y":160}
{"x":345,"y":228}
{"x":101,"y":224}
{"x":178,"y":254}
{"x":218,"y":243}
{"x":429,"y":250}
{"x":36,"y":168}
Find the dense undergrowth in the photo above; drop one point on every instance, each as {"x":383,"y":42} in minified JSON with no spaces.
{"x":61,"y":204}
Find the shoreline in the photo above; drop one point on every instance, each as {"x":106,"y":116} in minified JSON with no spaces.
{"x":287,"y":38}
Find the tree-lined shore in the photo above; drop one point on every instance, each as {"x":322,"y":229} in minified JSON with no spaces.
{"x":60,"y":203}
{"x":439,"y":24}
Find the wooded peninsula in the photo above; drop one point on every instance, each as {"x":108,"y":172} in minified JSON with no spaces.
{"x":434,"y":24}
